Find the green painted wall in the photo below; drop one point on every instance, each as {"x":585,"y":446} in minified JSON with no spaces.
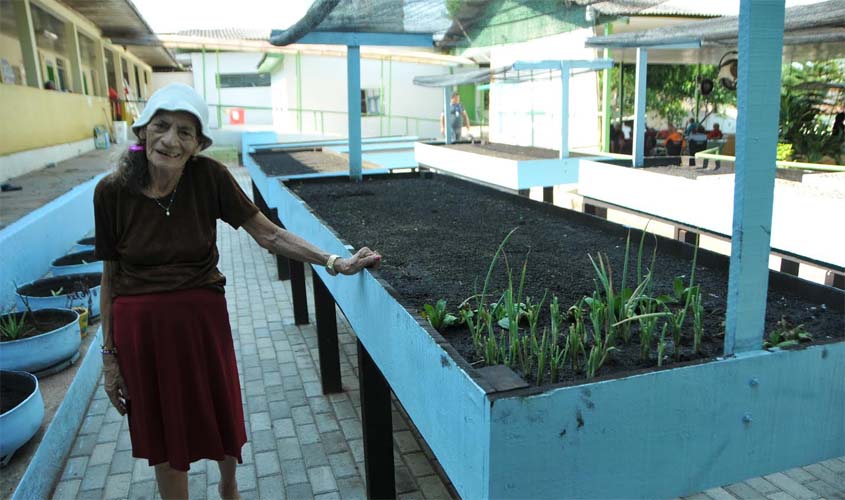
{"x":467,"y":93}
{"x":512,"y":21}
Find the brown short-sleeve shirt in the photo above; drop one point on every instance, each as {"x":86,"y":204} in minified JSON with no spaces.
{"x":160,"y":253}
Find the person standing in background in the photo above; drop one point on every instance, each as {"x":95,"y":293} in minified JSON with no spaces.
{"x":458,"y":118}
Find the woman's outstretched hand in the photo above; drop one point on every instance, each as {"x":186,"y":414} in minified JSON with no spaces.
{"x":364,"y":257}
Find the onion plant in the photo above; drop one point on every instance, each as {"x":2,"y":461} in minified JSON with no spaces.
{"x":12,"y":326}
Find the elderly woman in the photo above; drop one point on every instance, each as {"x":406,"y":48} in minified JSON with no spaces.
{"x":168,"y":356}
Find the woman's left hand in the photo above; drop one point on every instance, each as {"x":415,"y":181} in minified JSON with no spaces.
{"x":364,"y":257}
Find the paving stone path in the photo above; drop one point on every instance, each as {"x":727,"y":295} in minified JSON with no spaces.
{"x":302,"y":444}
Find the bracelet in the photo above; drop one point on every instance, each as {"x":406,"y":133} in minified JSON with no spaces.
{"x":106,"y":350}
{"x":330,"y":264}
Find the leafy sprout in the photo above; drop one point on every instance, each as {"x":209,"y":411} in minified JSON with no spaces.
{"x":438,"y":316}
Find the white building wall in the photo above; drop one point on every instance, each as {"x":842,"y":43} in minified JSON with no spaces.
{"x":166,"y":78}
{"x":205,"y":82}
{"x":406,"y":108}
{"x":528,"y":114}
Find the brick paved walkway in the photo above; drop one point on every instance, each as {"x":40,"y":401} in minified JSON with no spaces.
{"x":303,"y":444}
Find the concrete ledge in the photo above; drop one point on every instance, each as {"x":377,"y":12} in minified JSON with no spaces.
{"x":32,"y":242}
{"x":24,"y":162}
{"x":49,"y":460}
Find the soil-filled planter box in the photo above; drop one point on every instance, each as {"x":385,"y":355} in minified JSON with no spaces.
{"x":703,"y":197}
{"x":618,"y":435}
{"x":22,"y":411}
{"x":512,"y":167}
{"x":76,"y":263}
{"x":44,"y":338}
{"x":63,"y":292}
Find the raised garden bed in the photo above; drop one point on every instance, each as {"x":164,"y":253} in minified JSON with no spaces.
{"x":702,"y":197}
{"x":514,"y":167}
{"x":586,"y":438}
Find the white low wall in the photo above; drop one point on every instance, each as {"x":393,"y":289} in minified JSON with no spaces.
{"x":801,"y":216}
{"x":24,"y":162}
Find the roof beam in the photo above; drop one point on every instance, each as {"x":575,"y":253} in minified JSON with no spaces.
{"x":361,"y":39}
{"x":596,"y":64}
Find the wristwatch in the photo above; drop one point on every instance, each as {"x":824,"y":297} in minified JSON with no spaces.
{"x":330,"y":265}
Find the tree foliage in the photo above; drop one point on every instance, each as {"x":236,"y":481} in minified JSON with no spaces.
{"x":671,"y":91}
{"x":805,"y":107}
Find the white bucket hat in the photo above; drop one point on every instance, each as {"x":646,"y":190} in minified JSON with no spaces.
{"x":176,"y":97}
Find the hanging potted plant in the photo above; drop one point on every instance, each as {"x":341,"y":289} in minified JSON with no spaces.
{"x":76,"y":263}
{"x":21,"y":411}
{"x":34,"y":340}
{"x":63,"y":292}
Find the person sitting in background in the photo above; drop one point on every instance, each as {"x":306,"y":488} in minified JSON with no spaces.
{"x":716,"y":133}
{"x":674,"y":142}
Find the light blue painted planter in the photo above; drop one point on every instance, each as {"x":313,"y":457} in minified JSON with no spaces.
{"x":660,"y":434}
{"x":83,"y":245}
{"x":90,"y":266}
{"x":33,"y":354}
{"x":63,"y":301}
{"x":21,"y":422}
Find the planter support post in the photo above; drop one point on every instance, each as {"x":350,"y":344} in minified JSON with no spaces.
{"x":639,"y":106}
{"x":377,"y":425}
{"x":324,"y":312}
{"x":353,"y":82}
{"x":564,"y":110}
{"x":760,"y":46}
{"x":298,"y":294}
{"x":447,"y":123}
{"x":282,"y":262}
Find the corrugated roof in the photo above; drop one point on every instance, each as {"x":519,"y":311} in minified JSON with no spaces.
{"x":802,"y":24}
{"x":227,"y":34}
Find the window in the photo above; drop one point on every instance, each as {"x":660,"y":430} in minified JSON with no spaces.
{"x":370,"y":102}
{"x":233,"y":80}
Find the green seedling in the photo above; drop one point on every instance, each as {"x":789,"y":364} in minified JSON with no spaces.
{"x":786,"y":336}
{"x":438,"y":316}
{"x":661,"y":345}
{"x":697,"y":320}
{"x":56,"y":293}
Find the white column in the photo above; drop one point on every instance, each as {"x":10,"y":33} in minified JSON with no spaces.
{"x":564,"y":110}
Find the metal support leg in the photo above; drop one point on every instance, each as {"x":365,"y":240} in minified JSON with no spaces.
{"x":327,"y":343}
{"x":297,"y":288}
{"x":524,"y":192}
{"x":549,"y":194}
{"x":378,"y":428}
{"x":282,"y":262}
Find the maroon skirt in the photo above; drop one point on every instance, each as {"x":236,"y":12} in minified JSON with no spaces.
{"x":177,"y":358}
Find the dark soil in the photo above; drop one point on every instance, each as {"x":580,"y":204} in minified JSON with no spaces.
{"x":39,"y":321}
{"x":76,"y":258}
{"x":691,"y":167}
{"x":70,"y":283}
{"x":508,"y":151}
{"x":281,"y":164}
{"x":14,"y":388}
{"x":438,"y":236}
{"x":91,"y":240}
{"x":693,"y":172}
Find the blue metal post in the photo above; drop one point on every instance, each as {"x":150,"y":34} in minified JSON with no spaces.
{"x":447,"y":123}
{"x":564,"y":110}
{"x":353,"y":82}
{"x":760,"y":53}
{"x":639,"y":106}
